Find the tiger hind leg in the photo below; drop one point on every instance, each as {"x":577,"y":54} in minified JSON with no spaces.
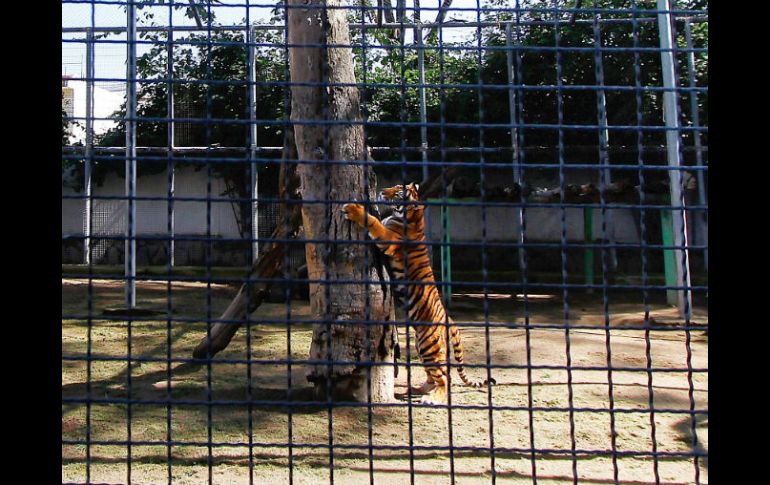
{"x":425,"y":388}
{"x":438,"y":380}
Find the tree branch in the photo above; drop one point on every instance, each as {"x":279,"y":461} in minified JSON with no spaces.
{"x":388,"y":6}
{"x":445,"y":4}
{"x":434,"y":186}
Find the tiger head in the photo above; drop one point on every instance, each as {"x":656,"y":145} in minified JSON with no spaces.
{"x":401,"y":193}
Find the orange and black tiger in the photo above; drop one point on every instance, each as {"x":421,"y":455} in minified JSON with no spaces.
{"x":411,"y":262}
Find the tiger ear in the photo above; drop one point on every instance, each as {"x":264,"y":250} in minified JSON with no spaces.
{"x":415,"y":186}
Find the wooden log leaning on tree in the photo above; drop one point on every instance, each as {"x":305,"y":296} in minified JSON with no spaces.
{"x":268,"y":265}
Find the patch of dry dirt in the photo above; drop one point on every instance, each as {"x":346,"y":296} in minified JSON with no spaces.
{"x":538,"y":403}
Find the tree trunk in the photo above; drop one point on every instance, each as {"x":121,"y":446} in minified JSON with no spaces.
{"x":351,"y":346}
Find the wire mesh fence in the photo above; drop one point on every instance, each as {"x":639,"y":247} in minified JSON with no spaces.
{"x":278,"y":217}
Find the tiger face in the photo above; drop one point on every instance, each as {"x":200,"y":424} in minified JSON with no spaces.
{"x":401,"y":193}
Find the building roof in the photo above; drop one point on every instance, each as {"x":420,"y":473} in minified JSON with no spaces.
{"x":105,"y":104}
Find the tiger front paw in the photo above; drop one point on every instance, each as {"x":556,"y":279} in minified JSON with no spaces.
{"x":355,"y":213}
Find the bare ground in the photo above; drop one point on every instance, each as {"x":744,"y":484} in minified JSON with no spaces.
{"x":267,"y":424}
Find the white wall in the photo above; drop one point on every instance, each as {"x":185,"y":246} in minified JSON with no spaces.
{"x":542,"y":224}
{"x":502,"y":223}
{"x":109,"y":216}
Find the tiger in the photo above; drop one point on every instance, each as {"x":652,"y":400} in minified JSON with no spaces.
{"x":424,"y":304}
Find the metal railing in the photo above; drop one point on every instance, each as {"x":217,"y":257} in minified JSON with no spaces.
{"x":673,"y":211}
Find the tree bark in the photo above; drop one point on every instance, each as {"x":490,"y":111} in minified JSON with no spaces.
{"x":388,"y":7}
{"x":350,"y":346}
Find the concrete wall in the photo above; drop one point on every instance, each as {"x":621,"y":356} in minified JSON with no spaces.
{"x":109,"y":219}
{"x":543,"y":224}
{"x":109,"y":215}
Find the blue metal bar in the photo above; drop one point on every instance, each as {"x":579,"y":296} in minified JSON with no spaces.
{"x":251,"y":71}
{"x":512,"y":109}
{"x":89,"y":149}
{"x":171,"y":134}
{"x":386,"y":47}
{"x":130,"y":121}
{"x":463,"y":86}
{"x":446,"y":253}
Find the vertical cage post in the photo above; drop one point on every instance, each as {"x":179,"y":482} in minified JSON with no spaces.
{"x":604,"y":132}
{"x":512,"y":102}
{"x":446,"y":253}
{"x":588,"y":238}
{"x":89,"y":145}
{"x":423,"y":119}
{"x":702,"y":221}
{"x":251,"y":70}
{"x":130,"y":253}
{"x":671,"y":118}
{"x":171,"y":145}
{"x":514,"y":133}
{"x":423,"y":102}
{"x":604,"y":139}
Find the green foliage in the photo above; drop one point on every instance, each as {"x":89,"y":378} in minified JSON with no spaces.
{"x":66,"y":132}
{"x":71,"y":168}
{"x":461,"y":71}
{"x":390,"y":76}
